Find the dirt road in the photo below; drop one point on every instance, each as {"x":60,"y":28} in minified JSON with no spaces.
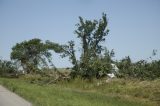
{"x":8,"y":98}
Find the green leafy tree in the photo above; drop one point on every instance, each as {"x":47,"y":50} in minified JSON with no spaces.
{"x":91,"y":35}
{"x":7,"y":67}
{"x":33,"y":54}
{"x":125,"y":66}
{"x":69,"y":51}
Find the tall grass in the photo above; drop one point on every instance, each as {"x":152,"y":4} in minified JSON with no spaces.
{"x":67,"y":94}
{"x":147,"y":91}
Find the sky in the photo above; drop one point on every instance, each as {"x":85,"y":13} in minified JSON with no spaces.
{"x":134,"y":24}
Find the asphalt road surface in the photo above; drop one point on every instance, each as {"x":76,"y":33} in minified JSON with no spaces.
{"x":7,"y":98}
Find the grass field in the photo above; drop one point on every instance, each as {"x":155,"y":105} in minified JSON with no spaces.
{"x":81,"y":93}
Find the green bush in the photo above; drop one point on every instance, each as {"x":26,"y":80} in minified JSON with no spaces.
{"x":7,"y":68}
{"x":141,"y":69}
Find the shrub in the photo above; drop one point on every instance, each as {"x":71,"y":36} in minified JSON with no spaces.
{"x":141,"y":69}
{"x":7,"y":68}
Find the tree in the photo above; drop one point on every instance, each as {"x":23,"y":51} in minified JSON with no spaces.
{"x":68,"y":50}
{"x":91,"y":35}
{"x":126,"y":66}
{"x":7,"y":67}
{"x":33,"y":54}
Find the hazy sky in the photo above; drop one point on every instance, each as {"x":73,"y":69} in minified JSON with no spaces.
{"x":134,"y":24}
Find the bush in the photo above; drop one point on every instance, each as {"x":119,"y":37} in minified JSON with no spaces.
{"x":141,"y":69}
{"x":7,"y":68}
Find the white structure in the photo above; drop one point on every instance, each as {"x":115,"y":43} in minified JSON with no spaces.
{"x":111,"y":75}
{"x":113,"y":71}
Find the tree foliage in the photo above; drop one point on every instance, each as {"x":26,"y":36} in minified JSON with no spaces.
{"x":91,"y":34}
{"x":33,"y":54}
{"x":140,"y":69}
{"x":68,"y":50}
{"x":7,"y":67}
{"x":92,"y":59}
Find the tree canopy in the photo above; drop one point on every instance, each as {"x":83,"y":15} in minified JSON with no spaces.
{"x":33,"y":54}
{"x":91,"y":34}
